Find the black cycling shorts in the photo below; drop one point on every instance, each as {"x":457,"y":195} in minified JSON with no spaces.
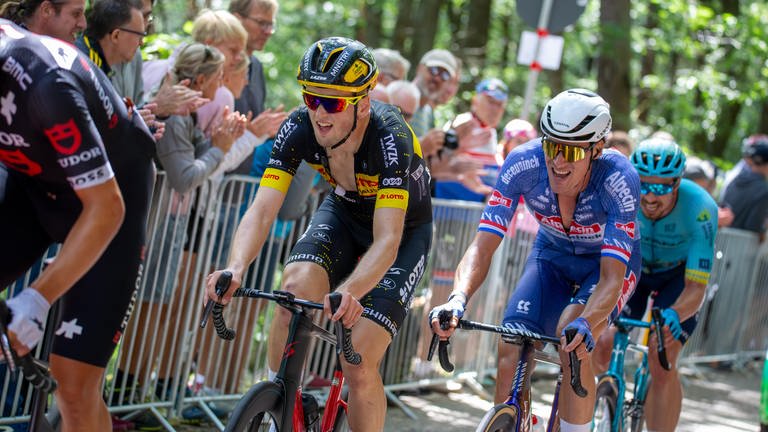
{"x":664,"y":287}
{"x":336,"y":241}
{"x":96,"y":309}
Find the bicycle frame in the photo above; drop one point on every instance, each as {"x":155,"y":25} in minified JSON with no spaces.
{"x":522,"y":382}
{"x":621,"y":343}
{"x":301,"y":330}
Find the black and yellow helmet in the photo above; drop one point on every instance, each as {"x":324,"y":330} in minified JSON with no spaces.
{"x":338,"y":63}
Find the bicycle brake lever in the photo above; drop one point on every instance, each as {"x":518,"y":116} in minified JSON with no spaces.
{"x":222,"y":285}
{"x":659,"y":323}
{"x":575,"y":365}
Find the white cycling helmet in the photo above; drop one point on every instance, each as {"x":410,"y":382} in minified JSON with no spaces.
{"x":576,"y":115}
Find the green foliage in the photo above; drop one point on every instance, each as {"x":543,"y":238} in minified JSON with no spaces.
{"x":705,"y":62}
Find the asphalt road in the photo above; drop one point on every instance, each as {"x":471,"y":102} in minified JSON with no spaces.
{"x":722,"y":401}
{"x":714,"y":401}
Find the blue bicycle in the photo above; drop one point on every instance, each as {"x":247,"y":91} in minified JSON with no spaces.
{"x":612,"y":412}
{"x":514,"y":414}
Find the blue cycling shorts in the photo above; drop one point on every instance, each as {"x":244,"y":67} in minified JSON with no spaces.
{"x":553,"y":279}
{"x":664,"y":287}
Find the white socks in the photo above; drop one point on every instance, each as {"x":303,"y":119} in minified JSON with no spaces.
{"x":567,"y":427}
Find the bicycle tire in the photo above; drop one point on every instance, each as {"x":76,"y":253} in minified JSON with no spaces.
{"x":606,"y":401}
{"x":500,"y":418}
{"x":260,"y":406}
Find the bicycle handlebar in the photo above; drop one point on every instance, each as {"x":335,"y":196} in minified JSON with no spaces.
{"x":284,"y":299}
{"x":444,"y":317}
{"x":37,"y":374}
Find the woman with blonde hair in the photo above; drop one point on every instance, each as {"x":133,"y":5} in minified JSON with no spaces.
{"x":188,"y":158}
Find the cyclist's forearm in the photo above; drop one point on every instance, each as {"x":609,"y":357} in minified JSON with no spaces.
{"x":99,"y":221}
{"x":690,"y":300}
{"x":254,"y":229}
{"x":474,"y":266}
{"x":607,"y":291}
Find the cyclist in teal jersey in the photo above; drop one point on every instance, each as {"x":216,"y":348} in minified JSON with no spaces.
{"x":678,"y":224}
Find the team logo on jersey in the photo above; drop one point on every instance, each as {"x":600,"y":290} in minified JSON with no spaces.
{"x":18,"y":161}
{"x":13,"y":68}
{"x":616,"y":185}
{"x":389,"y":149}
{"x":367,"y":185}
{"x":554,"y":222}
{"x":497,"y":199}
{"x":63,"y":53}
{"x":627,"y":288}
{"x":323,"y":237}
{"x":8,"y":107}
{"x":387,"y":284}
{"x":704,"y":216}
{"x":628,"y":228}
{"x":65,"y":137}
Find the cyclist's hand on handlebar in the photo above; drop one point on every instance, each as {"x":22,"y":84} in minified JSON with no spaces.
{"x":455,"y":306}
{"x":672,"y":320}
{"x":349,"y":312}
{"x":583,"y":335}
{"x":30,"y":310}
{"x":210,"y":287}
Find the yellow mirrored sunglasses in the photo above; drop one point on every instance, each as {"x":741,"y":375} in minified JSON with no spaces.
{"x":571,"y":153}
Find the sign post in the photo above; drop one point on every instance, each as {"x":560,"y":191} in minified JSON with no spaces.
{"x":546,"y":20}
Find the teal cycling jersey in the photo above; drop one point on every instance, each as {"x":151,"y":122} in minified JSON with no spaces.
{"x":685,"y":236}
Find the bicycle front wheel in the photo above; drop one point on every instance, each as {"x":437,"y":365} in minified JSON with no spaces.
{"x":500,"y":418}
{"x":606,"y":401}
{"x":259,"y":409}
{"x":341,"y":424}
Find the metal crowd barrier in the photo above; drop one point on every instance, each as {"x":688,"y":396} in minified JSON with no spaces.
{"x":167,"y":356}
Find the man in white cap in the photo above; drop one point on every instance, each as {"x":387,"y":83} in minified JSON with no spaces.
{"x":436,"y":70}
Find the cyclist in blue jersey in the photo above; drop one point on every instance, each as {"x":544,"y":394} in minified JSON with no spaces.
{"x":370,"y":238}
{"x":678,"y":224}
{"x":584,"y":263}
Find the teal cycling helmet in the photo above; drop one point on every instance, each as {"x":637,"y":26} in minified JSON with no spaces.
{"x":657,"y":157}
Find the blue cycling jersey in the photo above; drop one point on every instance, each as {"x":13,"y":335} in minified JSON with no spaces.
{"x":685,"y":235}
{"x":604,"y":220}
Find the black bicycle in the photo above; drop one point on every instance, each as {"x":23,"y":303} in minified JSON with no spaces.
{"x":508,"y":416}
{"x":35,"y":371}
{"x":279,"y":403}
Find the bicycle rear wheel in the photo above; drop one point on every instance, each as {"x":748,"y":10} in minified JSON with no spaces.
{"x":606,"y":401}
{"x":500,"y":418}
{"x":258,"y":410}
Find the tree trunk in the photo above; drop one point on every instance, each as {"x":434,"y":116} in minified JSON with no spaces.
{"x":424,"y":33}
{"x":762,"y":126}
{"x":475,"y":35}
{"x":370,"y":27}
{"x":647,"y":66}
{"x":613,"y":63}
{"x":403,"y":30}
{"x":192,"y":9}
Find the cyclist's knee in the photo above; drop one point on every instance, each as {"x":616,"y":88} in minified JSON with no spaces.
{"x":601,"y":356}
{"x":361,"y":375}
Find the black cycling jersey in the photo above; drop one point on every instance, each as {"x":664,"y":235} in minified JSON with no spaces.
{"x":63,"y":128}
{"x":389,"y":168}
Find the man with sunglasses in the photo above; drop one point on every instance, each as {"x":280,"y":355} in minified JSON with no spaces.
{"x":370,"y":237}
{"x":585,"y":261}
{"x":678,"y":224}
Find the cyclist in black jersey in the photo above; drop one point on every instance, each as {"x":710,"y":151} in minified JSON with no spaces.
{"x":76,"y":168}
{"x":370,"y":237}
